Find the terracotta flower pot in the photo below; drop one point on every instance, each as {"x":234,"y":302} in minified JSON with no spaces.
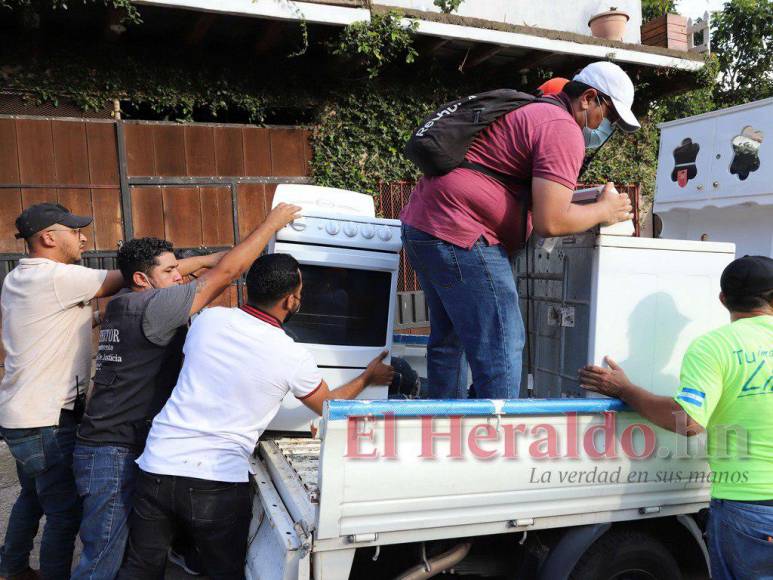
{"x":609,"y":25}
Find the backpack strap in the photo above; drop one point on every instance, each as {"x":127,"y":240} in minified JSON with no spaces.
{"x":504,"y":178}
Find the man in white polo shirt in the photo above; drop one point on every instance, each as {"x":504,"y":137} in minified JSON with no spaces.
{"x":239,"y":365}
{"x":47,"y":338}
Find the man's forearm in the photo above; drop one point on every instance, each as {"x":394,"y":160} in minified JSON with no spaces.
{"x":581,"y":217}
{"x":113,"y":283}
{"x":662,"y":411}
{"x":241,"y":257}
{"x":351,"y":389}
{"x":189,"y":265}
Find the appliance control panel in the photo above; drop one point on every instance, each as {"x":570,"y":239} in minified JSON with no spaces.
{"x":375,"y":234}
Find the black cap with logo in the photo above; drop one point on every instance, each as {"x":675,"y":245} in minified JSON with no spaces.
{"x":748,"y":276}
{"x":42,"y":215}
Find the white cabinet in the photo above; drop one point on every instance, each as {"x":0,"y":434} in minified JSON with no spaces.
{"x":734,"y":157}
{"x":727,"y":194}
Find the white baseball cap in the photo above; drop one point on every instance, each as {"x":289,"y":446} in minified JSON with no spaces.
{"x":612,"y":81}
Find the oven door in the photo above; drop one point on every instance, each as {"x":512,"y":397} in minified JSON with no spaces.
{"x":347,"y":303}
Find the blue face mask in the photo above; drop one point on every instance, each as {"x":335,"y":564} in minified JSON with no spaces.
{"x":595,"y":138}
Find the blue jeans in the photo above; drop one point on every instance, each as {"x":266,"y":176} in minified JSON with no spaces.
{"x":44,"y":466}
{"x":473,"y":311}
{"x":740,"y":545}
{"x":105,"y":477}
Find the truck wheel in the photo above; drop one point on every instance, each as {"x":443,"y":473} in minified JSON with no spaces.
{"x":626,"y":555}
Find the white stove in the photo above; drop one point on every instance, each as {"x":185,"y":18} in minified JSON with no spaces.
{"x":349,"y":261}
{"x":337,"y":217}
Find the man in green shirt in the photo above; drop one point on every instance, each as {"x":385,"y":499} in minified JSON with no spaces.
{"x":726,"y":390}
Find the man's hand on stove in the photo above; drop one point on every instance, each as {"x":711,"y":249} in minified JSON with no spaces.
{"x":379,"y":373}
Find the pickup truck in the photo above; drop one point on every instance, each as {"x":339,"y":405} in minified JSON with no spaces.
{"x":556,"y":484}
{"x":551,"y":485}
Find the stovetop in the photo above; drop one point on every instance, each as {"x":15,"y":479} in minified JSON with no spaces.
{"x":336,"y":217}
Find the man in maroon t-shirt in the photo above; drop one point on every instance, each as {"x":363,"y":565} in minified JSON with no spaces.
{"x":459,"y":229}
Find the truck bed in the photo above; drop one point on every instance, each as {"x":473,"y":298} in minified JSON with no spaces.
{"x":302,"y":456}
{"x":343,"y":500}
{"x":320,"y":502}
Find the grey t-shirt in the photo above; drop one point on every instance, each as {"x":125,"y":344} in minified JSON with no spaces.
{"x":167,"y":311}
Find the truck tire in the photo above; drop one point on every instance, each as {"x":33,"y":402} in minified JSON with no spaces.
{"x":626,"y":555}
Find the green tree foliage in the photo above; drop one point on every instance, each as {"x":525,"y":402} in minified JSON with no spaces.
{"x":743,"y":42}
{"x":653,"y":8}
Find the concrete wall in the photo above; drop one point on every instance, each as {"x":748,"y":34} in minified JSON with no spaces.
{"x":566,"y":15}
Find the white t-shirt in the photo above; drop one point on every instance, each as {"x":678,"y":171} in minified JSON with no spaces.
{"x":237,"y":370}
{"x":47,"y":339}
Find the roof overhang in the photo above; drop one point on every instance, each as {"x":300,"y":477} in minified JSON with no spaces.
{"x":503,"y":42}
{"x":513,"y":41}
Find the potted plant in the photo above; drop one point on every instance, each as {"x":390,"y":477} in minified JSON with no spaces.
{"x":663,"y":27}
{"x":610,"y":24}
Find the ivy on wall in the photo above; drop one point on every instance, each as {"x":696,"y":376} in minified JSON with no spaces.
{"x":167,"y":89}
{"x":448,"y":6}
{"x":377,"y":43}
{"x":360,"y":135}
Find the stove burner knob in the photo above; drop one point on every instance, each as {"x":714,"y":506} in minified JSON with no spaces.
{"x":367,"y":231}
{"x":350,"y":229}
{"x":384,"y":233}
{"x":298,"y":225}
{"x":332,"y":228}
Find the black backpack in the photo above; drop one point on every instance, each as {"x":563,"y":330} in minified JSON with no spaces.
{"x":440,"y":143}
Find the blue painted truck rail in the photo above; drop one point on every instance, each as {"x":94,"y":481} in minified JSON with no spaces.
{"x":410,"y":339}
{"x":339,"y":410}
{"x":467,"y":407}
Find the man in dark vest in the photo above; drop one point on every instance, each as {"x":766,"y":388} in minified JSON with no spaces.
{"x":139,"y":358}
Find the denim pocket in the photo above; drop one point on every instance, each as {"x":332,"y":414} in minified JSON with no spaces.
{"x":753,"y":554}
{"x":436,"y":260}
{"x":28,"y":448}
{"x":82,"y":466}
{"x":749,"y":529}
{"x":148,"y":485}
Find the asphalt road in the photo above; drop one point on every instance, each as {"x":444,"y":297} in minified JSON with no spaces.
{"x":9,"y":490}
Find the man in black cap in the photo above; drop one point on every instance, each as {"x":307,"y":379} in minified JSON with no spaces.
{"x":47,"y":339}
{"x":726,"y":381}
{"x":47,"y":324}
